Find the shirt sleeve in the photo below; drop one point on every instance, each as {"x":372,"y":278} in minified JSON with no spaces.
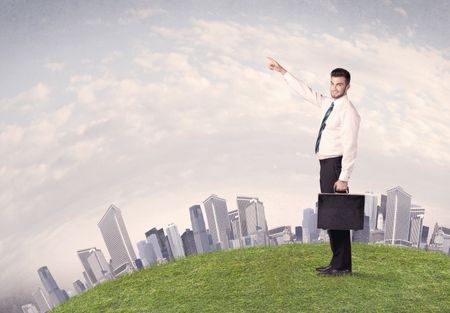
{"x":304,"y":90}
{"x":350,"y":129}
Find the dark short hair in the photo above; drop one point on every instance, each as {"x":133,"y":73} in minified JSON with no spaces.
{"x":340,"y":72}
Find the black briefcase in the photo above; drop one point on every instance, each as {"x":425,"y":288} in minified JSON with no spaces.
{"x":340,"y":211}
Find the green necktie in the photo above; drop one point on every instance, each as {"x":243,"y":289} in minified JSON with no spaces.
{"x":322,"y":126}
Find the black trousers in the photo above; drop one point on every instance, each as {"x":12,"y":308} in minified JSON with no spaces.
{"x":340,"y":243}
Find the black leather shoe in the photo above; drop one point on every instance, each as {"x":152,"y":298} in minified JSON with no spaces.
{"x":323,"y":268}
{"x":335,"y":272}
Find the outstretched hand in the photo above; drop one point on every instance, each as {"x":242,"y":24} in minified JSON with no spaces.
{"x":275,"y":66}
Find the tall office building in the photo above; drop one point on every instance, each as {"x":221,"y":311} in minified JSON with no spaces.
{"x":212,"y":247}
{"x":234,"y":223}
{"x":242,"y":204}
{"x":188,"y":242}
{"x":96,"y":267}
{"x":298,"y":234}
{"x":83,"y":255}
{"x":362,"y":235}
{"x":153,"y":241}
{"x":42,"y":300}
{"x":87,"y":280}
{"x":309,"y":225}
{"x":146,"y":252}
{"x":117,"y":241}
{"x":100,"y":267}
{"x":78,"y":286}
{"x":175,"y":241}
{"x":397,"y":217}
{"x":163,"y":242}
{"x":218,"y":221}
{"x":56,"y":295}
{"x":424,"y":236}
{"x":416,"y":222}
{"x":370,"y":209}
{"x":253,"y":221}
{"x":381,"y":213}
{"x":199,"y":229}
{"x":256,"y":217}
{"x":235,"y":240}
{"x":29,"y":308}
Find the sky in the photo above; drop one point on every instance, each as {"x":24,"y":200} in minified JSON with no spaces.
{"x":155,"y":105}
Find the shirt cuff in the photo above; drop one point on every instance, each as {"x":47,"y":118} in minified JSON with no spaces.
{"x":344,"y":176}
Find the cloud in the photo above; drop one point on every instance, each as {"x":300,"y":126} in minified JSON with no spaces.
{"x":384,"y":76}
{"x":55,"y":67}
{"x":26,"y":101}
{"x":135,"y":15}
{"x":401,"y":11}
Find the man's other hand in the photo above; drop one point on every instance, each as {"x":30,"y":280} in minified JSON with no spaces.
{"x":341,"y":185}
{"x":275,"y":66}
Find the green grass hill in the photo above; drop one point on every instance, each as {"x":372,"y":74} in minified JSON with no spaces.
{"x":278,"y":279}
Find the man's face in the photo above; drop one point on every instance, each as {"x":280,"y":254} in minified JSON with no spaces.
{"x":338,"y":87}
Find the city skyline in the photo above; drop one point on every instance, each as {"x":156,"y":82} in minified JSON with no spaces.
{"x":138,"y":104}
{"x":278,"y":235}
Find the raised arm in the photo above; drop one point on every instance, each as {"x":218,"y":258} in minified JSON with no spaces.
{"x":297,"y":85}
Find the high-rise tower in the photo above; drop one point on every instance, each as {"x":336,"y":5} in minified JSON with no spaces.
{"x":117,"y":240}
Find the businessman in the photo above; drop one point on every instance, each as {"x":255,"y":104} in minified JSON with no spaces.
{"x":335,"y":147}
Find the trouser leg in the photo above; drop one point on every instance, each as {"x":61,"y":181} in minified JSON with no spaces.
{"x":340,"y":243}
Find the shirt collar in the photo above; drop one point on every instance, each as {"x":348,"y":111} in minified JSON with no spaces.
{"x":340,"y":100}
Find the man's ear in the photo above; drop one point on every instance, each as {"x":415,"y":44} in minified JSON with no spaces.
{"x":347,"y":87}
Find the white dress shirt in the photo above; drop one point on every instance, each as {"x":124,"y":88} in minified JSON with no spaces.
{"x":340,"y":136}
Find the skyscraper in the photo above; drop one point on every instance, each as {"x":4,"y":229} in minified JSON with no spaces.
{"x":253,"y":220}
{"x":234,"y":223}
{"x":99,"y":265}
{"x":42,"y":300}
{"x":309,"y":225}
{"x":235,"y":240}
{"x":88,"y":282}
{"x":175,"y":241}
{"x":153,"y":241}
{"x":242,"y":204}
{"x":218,"y":222}
{"x":146,"y":252}
{"x":397,"y":217}
{"x":117,"y":240}
{"x":424,"y":236}
{"x":362,"y":235}
{"x":370,"y":209}
{"x":163,"y":242}
{"x":188,"y":242}
{"x":381,"y":213}
{"x":83,"y":255}
{"x":416,"y":222}
{"x":199,"y":229}
{"x":298,"y":234}
{"x":56,"y":295}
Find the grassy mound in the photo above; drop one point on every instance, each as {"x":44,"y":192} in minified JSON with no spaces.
{"x":279,"y":279}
